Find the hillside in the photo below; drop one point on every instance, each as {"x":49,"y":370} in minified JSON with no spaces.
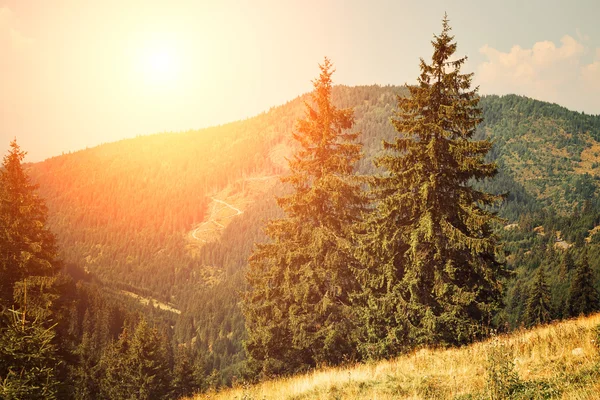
{"x":122,"y":208}
{"x":552,"y":152}
{"x":154,"y":216}
{"x":561,"y":360}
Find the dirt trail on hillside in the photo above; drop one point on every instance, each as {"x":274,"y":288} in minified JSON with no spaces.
{"x":209,"y":224}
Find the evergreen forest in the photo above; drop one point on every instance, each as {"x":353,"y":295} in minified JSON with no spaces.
{"x":349,"y":224}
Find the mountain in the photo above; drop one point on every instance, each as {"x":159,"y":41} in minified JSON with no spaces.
{"x":552,"y":152}
{"x":173,"y":217}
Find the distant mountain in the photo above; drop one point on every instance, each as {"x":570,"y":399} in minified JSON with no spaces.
{"x":174,"y":216}
{"x":553,"y":152}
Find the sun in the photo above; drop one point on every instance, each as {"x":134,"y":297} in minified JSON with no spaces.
{"x":161,"y":62}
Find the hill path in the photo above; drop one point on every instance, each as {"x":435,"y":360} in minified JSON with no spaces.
{"x":205,"y":226}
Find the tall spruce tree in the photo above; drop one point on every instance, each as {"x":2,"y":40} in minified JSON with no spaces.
{"x":539,"y":308}
{"x":300,"y":282}
{"x":29,"y":361}
{"x":27,"y":247}
{"x":431,"y":274}
{"x":583,"y":296}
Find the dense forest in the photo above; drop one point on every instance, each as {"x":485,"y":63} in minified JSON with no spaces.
{"x":115,"y":279}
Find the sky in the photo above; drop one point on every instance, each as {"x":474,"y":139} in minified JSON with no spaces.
{"x":78,"y":73}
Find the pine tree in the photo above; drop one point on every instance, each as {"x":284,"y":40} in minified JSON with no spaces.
{"x":431,"y":275}
{"x":297,"y":307}
{"x":566,"y":264}
{"x":28,"y":281}
{"x":114,"y":367}
{"x":136,"y":366}
{"x":149,"y":362}
{"x":183,"y":383}
{"x":85,"y":374}
{"x":539,"y":308}
{"x":583,"y":296}
{"x":27,"y":247}
{"x":28,"y":360}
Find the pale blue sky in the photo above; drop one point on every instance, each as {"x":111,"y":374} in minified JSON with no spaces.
{"x":78,"y":73}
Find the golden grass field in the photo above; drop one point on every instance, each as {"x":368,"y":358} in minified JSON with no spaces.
{"x":561,"y":360}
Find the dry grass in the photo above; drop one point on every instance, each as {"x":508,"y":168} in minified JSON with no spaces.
{"x":555,"y":361}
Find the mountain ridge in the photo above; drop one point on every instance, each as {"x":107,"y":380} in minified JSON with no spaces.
{"x":125,"y":211}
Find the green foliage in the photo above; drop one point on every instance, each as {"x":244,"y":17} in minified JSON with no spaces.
{"x":86,"y":374}
{"x":297,"y":306}
{"x":28,"y":358}
{"x":136,"y":367}
{"x":583,"y":295}
{"x":431,"y":276}
{"x":542,"y":145}
{"x":502,"y":381}
{"x":567,"y":264}
{"x":539,"y":309}
{"x":183,"y":383}
{"x":27,"y":247}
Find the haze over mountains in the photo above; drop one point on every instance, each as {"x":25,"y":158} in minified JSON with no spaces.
{"x":175,"y":216}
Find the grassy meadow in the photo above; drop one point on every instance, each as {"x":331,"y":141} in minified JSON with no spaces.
{"x":561,"y":360}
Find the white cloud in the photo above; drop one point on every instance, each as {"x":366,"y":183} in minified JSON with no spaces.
{"x":546,"y":72}
{"x":591,"y":75}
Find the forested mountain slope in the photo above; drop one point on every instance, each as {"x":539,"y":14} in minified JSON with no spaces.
{"x":125,"y":212}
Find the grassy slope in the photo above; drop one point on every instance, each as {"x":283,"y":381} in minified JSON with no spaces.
{"x":561,"y":360}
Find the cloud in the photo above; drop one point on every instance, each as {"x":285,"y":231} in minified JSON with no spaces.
{"x":9,"y":32}
{"x":591,"y":72}
{"x":546,"y":71}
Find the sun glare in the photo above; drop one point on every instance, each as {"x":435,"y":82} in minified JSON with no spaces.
{"x":160,"y":62}
{"x":163,"y":64}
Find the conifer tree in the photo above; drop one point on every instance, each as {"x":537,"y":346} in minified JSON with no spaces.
{"x":136,"y":366}
{"x":583,"y":296}
{"x":27,"y":247}
{"x":566,"y":264}
{"x":300,"y":282}
{"x":115,"y":369}
{"x":28,"y":266}
{"x":149,"y":362}
{"x":539,"y":308}
{"x":183,"y":383}
{"x":28,"y":360}
{"x":431,"y":274}
{"x":85,"y":374}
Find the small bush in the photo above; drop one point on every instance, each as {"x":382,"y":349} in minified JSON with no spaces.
{"x":502,"y":380}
